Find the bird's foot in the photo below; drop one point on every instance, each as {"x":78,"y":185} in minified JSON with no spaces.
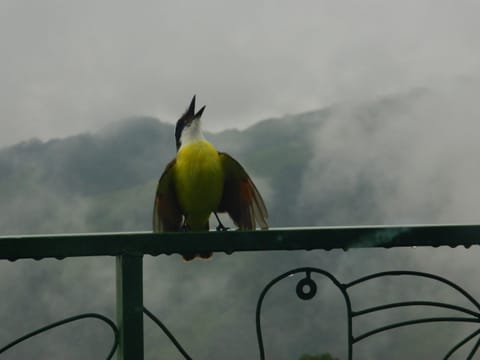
{"x":220,"y":226}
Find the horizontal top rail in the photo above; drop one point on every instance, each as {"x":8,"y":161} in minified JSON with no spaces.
{"x":326,"y":238}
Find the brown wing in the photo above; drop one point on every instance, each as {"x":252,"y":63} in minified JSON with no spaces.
{"x":166,"y":212}
{"x":241,"y":199}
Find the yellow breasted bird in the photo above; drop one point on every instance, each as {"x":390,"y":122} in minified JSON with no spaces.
{"x":201,"y":181}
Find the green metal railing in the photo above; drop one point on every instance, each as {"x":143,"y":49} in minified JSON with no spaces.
{"x":129,"y":249}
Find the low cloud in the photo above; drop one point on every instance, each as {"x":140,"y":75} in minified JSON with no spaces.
{"x":72,"y":67}
{"x":408,"y":158}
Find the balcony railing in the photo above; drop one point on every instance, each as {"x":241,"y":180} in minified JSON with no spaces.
{"x":129,"y":249}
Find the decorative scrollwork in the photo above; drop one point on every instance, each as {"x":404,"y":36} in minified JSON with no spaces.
{"x":104,"y":319}
{"x":71,"y":319}
{"x":167,"y":332}
{"x":306,"y":289}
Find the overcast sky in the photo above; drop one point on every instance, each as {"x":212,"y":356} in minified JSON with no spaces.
{"x":72,"y":66}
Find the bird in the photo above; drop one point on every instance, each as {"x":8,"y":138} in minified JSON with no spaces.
{"x":201,"y":180}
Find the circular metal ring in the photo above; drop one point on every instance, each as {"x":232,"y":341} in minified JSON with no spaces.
{"x":306,"y":288}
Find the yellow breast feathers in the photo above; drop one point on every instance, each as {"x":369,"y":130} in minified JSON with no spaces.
{"x":199,"y":182}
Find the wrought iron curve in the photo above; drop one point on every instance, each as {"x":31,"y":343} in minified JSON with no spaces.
{"x":67,"y":320}
{"x":306,"y":289}
{"x":167,"y":332}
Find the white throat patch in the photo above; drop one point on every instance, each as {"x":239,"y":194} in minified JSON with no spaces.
{"x":191,"y":133}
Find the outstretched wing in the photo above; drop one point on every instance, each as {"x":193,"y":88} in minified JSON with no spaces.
{"x":241,"y":199}
{"x":166,"y":211}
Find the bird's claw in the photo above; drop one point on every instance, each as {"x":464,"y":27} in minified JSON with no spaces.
{"x":220,"y":227}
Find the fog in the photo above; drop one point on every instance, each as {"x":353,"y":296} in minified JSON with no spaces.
{"x":414,"y":156}
{"x":70,"y":67}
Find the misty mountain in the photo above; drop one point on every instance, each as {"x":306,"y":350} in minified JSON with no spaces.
{"x":404,"y":158}
{"x":114,"y":172}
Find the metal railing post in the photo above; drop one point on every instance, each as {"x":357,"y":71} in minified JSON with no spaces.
{"x":129,"y":273}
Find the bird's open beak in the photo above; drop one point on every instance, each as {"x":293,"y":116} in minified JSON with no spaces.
{"x":191,"y":110}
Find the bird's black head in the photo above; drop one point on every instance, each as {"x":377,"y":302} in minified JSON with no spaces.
{"x":186,"y":120}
